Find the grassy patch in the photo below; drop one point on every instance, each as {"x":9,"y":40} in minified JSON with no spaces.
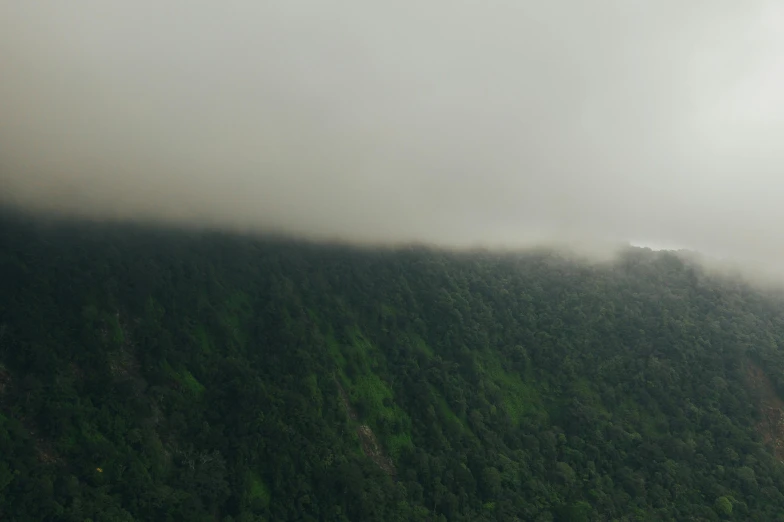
{"x":421,"y":345}
{"x":520,"y":398}
{"x":585,"y":391}
{"x":333,"y":348}
{"x":447,"y":415}
{"x":313,"y":391}
{"x":115,"y":330}
{"x":70,"y":440}
{"x":202,"y":339}
{"x":397,"y":443}
{"x":357,"y":362}
{"x":387,"y":311}
{"x":188,"y":383}
{"x":371,"y":390}
{"x":646,"y":421}
{"x":373,"y":398}
{"x":91,"y":437}
{"x":259,"y":490}
{"x":234,"y":314}
{"x":444,"y":409}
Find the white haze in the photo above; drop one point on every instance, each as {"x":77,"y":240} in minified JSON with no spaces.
{"x":448,"y":122}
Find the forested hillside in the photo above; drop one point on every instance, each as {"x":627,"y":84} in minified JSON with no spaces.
{"x":156,"y":374}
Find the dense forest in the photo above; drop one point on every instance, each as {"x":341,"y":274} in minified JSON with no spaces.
{"x":161,"y":374}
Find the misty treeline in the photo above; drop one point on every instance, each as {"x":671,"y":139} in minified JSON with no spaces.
{"x":151,"y":374}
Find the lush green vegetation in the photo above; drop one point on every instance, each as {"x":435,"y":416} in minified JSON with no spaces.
{"x":150,"y":374}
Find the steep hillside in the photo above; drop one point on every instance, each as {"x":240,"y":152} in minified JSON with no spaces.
{"x":167,"y":375}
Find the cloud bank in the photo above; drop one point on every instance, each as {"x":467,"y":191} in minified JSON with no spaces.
{"x":460,"y":122}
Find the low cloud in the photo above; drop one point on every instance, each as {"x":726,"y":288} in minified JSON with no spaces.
{"x":455,"y":123}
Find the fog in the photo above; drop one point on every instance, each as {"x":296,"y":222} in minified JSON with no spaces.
{"x":454,"y":123}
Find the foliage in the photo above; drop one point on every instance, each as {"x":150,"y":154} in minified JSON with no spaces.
{"x":153,"y":374}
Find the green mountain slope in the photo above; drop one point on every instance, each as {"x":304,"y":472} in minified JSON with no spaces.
{"x":150,"y":374}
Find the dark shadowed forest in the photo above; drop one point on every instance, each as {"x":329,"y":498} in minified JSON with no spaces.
{"x":157,"y":374}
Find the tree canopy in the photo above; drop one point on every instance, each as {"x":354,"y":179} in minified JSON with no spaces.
{"x":161,"y":374}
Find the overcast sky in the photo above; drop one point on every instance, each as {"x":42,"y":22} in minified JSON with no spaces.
{"x":456,"y":122}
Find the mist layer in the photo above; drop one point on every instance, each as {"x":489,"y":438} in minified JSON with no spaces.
{"x":454,"y":123}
